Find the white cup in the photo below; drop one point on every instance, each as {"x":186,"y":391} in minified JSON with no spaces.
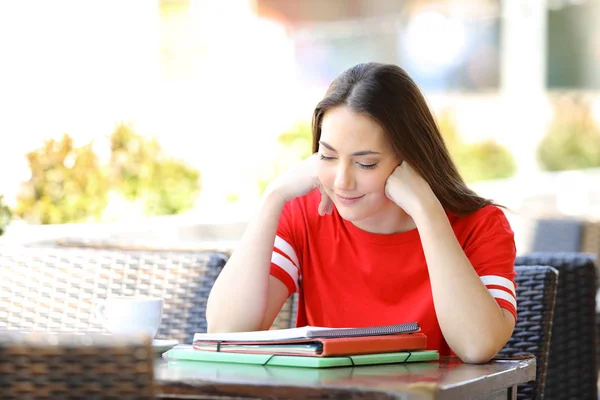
{"x":130,"y":314}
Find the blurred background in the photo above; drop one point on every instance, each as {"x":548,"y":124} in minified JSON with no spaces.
{"x":159,"y":123}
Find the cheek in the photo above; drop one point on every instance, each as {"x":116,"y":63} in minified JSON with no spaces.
{"x":374,"y":183}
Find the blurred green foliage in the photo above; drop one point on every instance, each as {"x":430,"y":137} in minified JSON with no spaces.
{"x":69,"y":184}
{"x":141,"y":171}
{"x":476,"y":161}
{"x":132,"y":161}
{"x":5,"y":215}
{"x":293,"y":146}
{"x":572,"y":140}
{"x":297,"y":141}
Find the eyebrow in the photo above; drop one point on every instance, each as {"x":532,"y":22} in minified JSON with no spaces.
{"x":356,"y":153}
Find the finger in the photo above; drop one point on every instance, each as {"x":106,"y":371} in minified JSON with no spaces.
{"x":321,"y":209}
{"x":323,"y":203}
{"x":326,"y":201}
{"x":387,"y":190}
{"x":328,"y":205}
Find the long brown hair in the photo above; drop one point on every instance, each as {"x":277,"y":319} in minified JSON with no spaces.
{"x":387,"y":94}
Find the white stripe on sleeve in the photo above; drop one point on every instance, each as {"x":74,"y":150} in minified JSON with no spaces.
{"x":501,"y":294}
{"x":287,"y":249}
{"x":287,"y":266}
{"x":498,"y":281}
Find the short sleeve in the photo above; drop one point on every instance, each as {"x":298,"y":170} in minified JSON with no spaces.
{"x":492,"y":253}
{"x":285,"y":264}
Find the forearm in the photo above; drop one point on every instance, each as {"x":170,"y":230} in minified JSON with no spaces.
{"x":238,"y":299}
{"x":473,"y":324}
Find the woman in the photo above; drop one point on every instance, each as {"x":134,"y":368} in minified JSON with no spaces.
{"x":375,"y":228}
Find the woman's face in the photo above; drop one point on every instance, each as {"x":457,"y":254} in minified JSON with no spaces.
{"x":356,"y":160}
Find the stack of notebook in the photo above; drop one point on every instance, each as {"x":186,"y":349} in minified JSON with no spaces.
{"x":311,"y":346}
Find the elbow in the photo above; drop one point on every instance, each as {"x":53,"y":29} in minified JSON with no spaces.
{"x":481,"y":348}
{"x":210,"y":321}
{"x":214,"y":324}
{"x":476,"y":356}
{"x":226,"y":325}
{"x":217,"y":319}
{"x":210,"y":328}
{"x":479,"y":353}
{"x":219,"y":327}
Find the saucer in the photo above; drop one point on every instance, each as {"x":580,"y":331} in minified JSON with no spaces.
{"x":162,"y":345}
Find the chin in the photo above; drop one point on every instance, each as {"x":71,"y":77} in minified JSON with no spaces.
{"x":351,"y":215}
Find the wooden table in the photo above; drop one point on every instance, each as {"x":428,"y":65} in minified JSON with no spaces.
{"x":447,"y":379}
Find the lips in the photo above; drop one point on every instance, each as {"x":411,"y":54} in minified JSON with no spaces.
{"x":348,"y":200}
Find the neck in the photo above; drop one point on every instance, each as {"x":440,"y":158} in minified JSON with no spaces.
{"x":391,"y":219}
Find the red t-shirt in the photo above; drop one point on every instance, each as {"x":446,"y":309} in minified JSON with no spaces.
{"x":347,"y":277}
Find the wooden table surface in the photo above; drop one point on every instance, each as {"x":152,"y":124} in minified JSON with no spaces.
{"x":447,"y":379}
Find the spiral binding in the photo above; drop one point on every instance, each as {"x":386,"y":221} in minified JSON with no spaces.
{"x":370,"y":331}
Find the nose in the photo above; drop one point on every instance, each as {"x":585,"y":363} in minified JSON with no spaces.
{"x":344,"y":179}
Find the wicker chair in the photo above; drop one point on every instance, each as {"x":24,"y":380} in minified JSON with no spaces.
{"x":572,"y":372}
{"x":536,"y":295}
{"x":557,"y":235}
{"x":42,"y":365}
{"x":590,"y":241}
{"x":57,"y":288}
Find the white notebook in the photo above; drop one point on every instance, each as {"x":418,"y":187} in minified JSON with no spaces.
{"x":305,"y":332}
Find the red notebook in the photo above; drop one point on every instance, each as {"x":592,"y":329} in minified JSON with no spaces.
{"x":321,"y":347}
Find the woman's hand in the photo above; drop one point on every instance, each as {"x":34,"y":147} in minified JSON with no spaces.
{"x":300,"y":180}
{"x":409,"y":190}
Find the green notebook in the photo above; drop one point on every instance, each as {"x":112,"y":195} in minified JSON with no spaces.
{"x":186,"y":352}
{"x":185,"y":369}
